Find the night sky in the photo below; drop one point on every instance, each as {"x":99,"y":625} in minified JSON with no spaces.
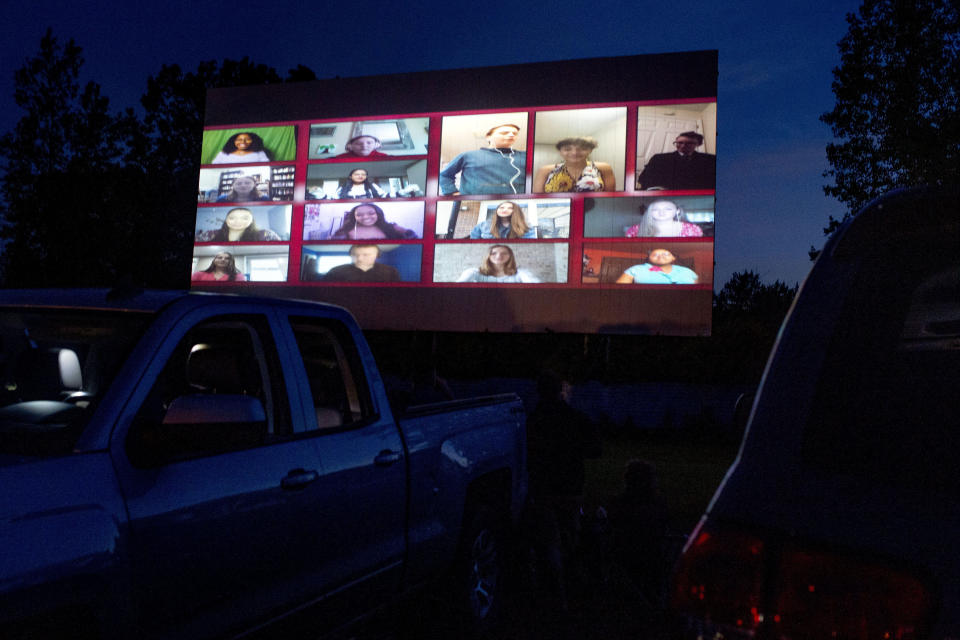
{"x":775,"y":64}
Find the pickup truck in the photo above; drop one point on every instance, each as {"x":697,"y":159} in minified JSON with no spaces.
{"x":191,"y":465}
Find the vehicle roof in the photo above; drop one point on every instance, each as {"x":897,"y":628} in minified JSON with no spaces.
{"x":136,"y":300}
{"x":931,"y":212}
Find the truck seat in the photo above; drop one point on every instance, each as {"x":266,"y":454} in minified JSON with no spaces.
{"x":52,"y":374}
{"x":213,"y":368}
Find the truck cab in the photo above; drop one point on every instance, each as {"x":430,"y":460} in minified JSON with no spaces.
{"x":190,"y":465}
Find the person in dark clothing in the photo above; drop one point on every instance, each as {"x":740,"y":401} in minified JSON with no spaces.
{"x":363,"y":268}
{"x":559,"y":438}
{"x":639,"y":519}
{"x":685,"y":168}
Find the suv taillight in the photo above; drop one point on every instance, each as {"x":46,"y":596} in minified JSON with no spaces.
{"x":729,"y":579}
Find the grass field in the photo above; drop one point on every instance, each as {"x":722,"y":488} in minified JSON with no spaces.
{"x":690,"y":467}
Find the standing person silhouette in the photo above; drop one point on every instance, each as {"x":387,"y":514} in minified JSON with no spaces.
{"x":559,"y":438}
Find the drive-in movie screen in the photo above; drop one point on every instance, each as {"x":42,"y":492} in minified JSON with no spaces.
{"x":526,"y":198}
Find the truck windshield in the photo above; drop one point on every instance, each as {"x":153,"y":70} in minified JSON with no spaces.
{"x":56,"y":365}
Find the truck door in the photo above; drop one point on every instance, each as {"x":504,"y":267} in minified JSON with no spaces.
{"x":364,"y":483}
{"x":222,"y":497}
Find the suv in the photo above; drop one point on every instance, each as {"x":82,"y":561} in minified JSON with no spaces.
{"x":839,"y":517}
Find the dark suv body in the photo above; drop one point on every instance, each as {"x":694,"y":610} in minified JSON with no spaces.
{"x":839,"y":517}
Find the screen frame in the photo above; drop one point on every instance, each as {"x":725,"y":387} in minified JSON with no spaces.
{"x":630,"y":81}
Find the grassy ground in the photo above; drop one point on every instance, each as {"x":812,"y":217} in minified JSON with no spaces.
{"x":690,"y":468}
{"x":602,"y":602}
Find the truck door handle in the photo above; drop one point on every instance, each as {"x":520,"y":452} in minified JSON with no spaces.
{"x":386,"y":458}
{"x":298,"y":479}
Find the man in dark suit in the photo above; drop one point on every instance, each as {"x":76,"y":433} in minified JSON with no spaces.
{"x":685,"y":168}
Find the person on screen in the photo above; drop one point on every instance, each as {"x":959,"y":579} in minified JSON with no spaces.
{"x":356,"y":185}
{"x":238,"y":226}
{"x":685,"y":168}
{"x":363,"y":267}
{"x":495,"y":169}
{"x":365,"y":146}
{"x":245,"y":146}
{"x":223,"y":268}
{"x":367,"y":222}
{"x":577,"y":172}
{"x":243,"y":189}
{"x":664,"y":219}
{"x":658,"y":269}
{"x":499,"y":265}
{"x":507,"y":222}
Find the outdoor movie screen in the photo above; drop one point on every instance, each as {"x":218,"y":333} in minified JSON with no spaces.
{"x":500,"y":199}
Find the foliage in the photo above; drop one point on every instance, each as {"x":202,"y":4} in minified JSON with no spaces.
{"x":747,"y":315}
{"x":62,"y":164}
{"x":744,"y":294}
{"x":165,"y":151}
{"x":96,"y":198}
{"x":897,"y":112}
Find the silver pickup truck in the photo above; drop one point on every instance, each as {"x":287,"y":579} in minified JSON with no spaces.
{"x":197,"y":465}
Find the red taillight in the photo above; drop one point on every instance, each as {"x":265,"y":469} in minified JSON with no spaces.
{"x":720,"y":578}
{"x":829,"y":595}
{"x":732,"y":579}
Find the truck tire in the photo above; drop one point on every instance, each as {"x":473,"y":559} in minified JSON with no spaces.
{"x":479,"y":575}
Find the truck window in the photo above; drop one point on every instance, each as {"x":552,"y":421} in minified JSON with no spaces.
{"x":56,"y":366}
{"x":338,"y":387}
{"x":886,"y":401}
{"x":220,"y":390}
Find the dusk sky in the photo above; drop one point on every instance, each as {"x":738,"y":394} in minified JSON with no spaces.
{"x":774,"y":82}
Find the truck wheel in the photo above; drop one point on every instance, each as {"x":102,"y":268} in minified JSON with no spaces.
{"x":481,"y":570}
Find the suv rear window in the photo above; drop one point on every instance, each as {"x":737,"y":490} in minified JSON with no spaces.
{"x":887,"y":402}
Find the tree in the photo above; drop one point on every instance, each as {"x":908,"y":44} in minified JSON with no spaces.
{"x":747,"y":315}
{"x":897,"y":112}
{"x":744,"y":293}
{"x":163,"y":159}
{"x":95,"y":198}
{"x":61,"y":163}
{"x":166,"y":145}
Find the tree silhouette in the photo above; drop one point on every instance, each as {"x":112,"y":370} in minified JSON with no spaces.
{"x":164,"y":151}
{"x":62,"y":163}
{"x":745,"y":293}
{"x":95,"y":198}
{"x":897,"y":113}
{"x":747,"y":315}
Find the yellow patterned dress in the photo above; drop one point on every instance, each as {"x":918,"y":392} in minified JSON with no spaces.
{"x":559,"y":180}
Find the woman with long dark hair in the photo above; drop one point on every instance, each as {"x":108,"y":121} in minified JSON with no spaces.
{"x":243,"y":189}
{"x":358,"y":185}
{"x":245,"y":146}
{"x":366,"y":221}
{"x":238,"y":226}
{"x":223,"y":268}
